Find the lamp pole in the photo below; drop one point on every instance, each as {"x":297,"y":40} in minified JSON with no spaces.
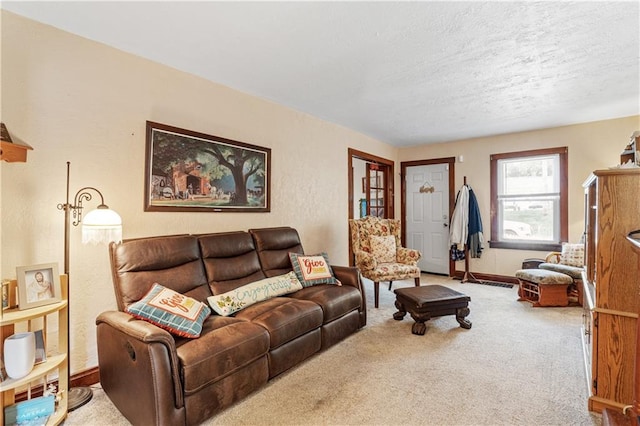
{"x":78,"y":396}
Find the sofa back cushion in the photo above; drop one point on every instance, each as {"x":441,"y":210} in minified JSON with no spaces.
{"x":273,"y":246}
{"x":230,"y":260}
{"x":172,"y":261}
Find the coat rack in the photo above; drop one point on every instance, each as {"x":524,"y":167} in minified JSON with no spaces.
{"x":468,"y":276}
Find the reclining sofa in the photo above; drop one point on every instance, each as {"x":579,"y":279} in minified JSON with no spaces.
{"x":154,"y":377}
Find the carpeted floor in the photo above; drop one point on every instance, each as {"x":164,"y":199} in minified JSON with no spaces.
{"x":517,"y":365}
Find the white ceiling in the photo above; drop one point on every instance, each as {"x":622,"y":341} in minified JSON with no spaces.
{"x":405,"y":73}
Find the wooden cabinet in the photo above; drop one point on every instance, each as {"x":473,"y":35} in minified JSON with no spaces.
{"x":611,"y":282}
{"x":57,"y":361}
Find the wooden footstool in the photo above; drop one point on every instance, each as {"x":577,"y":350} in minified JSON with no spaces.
{"x":430,"y":301}
{"x":544,"y":288}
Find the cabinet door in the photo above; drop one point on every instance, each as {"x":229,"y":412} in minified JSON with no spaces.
{"x":616,"y":273}
{"x":614,"y":361}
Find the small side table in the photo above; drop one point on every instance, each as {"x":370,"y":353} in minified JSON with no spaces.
{"x":430,"y":301}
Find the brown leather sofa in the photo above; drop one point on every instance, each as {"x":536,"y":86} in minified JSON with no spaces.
{"x":154,"y":377}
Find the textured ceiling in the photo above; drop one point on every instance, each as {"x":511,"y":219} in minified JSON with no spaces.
{"x":406,"y":73}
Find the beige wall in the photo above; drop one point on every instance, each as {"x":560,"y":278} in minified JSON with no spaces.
{"x":76,"y":100}
{"x":591,"y":146}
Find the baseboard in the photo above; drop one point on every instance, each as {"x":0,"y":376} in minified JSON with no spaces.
{"x":82,"y":379}
{"x":86,"y":378}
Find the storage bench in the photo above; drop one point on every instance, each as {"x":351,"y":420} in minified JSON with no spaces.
{"x":543,"y":288}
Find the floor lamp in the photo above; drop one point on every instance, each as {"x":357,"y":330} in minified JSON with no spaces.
{"x":101,"y":225}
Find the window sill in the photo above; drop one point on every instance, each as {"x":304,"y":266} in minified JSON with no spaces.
{"x":512,"y":245}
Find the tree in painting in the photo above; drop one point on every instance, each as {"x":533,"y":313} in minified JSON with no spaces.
{"x":215,"y":161}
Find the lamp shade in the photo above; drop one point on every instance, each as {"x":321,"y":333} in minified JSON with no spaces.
{"x":101,"y":226}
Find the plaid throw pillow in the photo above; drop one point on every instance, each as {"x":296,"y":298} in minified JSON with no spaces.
{"x":312,"y":270}
{"x":168,"y":309}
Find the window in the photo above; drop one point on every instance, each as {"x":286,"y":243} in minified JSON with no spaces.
{"x":529,"y":199}
{"x":374,"y":188}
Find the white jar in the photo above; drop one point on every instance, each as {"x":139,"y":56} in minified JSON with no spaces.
{"x":19,"y":354}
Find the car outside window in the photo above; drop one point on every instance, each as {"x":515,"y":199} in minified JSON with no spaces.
{"x":529,"y":199}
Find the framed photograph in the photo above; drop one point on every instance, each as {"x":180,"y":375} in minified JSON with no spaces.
{"x":38,"y":285}
{"x":9,"y":294}
{"x":189,"y":171}
{"x":41,"y":352}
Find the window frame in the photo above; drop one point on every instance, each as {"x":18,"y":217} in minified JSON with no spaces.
{"x":495,"y":242}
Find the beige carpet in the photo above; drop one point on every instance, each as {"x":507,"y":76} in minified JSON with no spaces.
{"x":516,"y":366}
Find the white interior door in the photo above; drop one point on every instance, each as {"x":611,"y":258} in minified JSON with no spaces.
{"x":427,"y":210}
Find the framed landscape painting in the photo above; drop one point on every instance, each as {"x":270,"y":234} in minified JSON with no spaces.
{"x":195,"y":172}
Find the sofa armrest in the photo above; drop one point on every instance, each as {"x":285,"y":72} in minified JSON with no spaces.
{"x":137,"y":329}
{"x":349,"y":275}
{"x":408,"y":256}
{"x":138,"y":360}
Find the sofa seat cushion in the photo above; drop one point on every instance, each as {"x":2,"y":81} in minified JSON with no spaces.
{"x":392,"y":272}
{"x":224,"y":346}
{"x":284,"y":318}
{"x":335,"y":301}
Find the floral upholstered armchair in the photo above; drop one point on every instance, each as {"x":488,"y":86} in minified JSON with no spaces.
{"x":379,"y":254}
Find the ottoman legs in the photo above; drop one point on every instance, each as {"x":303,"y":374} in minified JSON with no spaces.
{"x":419,"y":327}
{"x":461,"y":313}
{"x":401,"y":311}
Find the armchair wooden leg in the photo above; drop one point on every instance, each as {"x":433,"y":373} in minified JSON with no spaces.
{"x":390,"y":284}
{"x":376,"y":292}
{"x":417,"y":280}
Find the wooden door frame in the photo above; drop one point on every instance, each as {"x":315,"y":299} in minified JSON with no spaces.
{"x":451,"y":161}
{"x":389,"y":185}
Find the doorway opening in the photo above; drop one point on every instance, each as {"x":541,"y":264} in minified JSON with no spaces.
{"x":370,"y":187}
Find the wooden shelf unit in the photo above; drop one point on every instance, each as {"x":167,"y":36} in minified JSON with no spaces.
{"x":55,"y":361}
{"x":13,"y":152}
{"x":611,"y":283}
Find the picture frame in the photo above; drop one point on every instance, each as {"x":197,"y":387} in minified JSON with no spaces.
{"x":9,"y":294}
{"x":38,"y":285}
{"x":41,"y":347}
{"x":374,"y":183}
{"x":188,"y":171}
